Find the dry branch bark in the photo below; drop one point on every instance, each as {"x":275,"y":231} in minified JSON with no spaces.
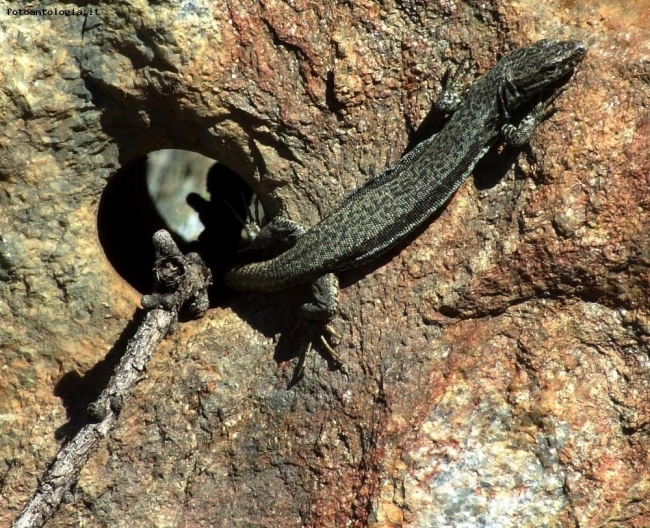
{"x":179,"y":280}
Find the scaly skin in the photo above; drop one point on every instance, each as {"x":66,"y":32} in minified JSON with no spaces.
{"x":387,"y":208}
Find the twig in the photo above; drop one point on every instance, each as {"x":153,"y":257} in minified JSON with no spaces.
{"x":180,"y":280}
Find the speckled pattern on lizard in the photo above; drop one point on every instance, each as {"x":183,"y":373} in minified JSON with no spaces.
{"x":388,"y":207}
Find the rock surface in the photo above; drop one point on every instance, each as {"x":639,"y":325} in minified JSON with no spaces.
{"x":497,"y":367}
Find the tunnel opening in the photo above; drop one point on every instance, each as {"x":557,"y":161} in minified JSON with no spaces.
{"x":200,"y":201}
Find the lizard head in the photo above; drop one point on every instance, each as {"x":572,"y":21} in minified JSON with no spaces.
{"x":532,"y":69}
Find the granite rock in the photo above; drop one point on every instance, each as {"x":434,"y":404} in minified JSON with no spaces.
{"x":497,"y":367}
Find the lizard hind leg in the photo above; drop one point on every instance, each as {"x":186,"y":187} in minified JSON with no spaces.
{"x":317,"y":317}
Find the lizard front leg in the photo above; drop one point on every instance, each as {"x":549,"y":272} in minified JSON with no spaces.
{"x":451,"y":95}
{"x":521,"y":134}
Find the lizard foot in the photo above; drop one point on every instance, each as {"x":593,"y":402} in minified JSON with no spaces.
{"x":520,"y":135}
{"x":451,"y":96}
{"x":324,"y":343}
{"x":320,"y":337}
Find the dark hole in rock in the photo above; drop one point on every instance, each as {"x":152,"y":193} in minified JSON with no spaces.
{"x":196,"y":199}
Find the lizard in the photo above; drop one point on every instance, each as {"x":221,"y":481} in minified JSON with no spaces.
{"x":388,"y":207}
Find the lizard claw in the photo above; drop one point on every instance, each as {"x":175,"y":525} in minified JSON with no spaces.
{"x":319,"y":337}
{"x":334,"y":355}
{"x":332,"y":332}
